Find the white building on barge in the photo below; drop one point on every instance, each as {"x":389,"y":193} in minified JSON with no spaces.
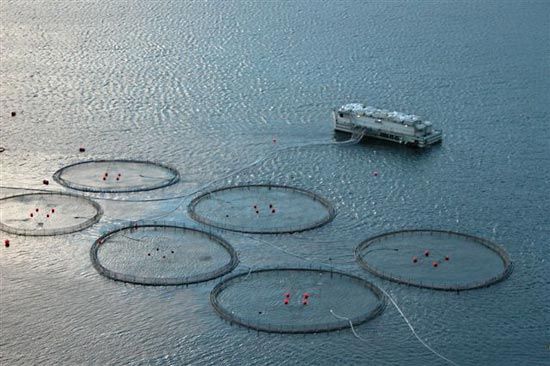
{"x":407,"y":129}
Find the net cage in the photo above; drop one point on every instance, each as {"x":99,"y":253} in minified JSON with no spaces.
{"x":296,"y":300}
{"x":434,"y":259}
{"x":262,"y":209}
{"x":162,"y":254}
{"x":47,"y":213}
{"x":116,"y":176}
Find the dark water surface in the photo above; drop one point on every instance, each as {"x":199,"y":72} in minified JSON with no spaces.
{"x":211,"y":88}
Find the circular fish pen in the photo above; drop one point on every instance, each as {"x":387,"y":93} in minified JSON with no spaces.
{"x":434,"y":259}
{"x":262,"y":209}
{"x":162,"y":254}
{"x":116,"y":176}
{"x":296,"y":300}
{"x":42,"y":214}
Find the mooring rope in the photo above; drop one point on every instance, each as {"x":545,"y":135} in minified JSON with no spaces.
{"x":414,"y":331}
{"x":426,"y":345}
{"x":350,"y":324}
{"x":354,"y":139}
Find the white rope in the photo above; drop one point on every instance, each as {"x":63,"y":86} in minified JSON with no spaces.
{"x":414,"y":332}
{"x":389,"y":297}
{"x":249,"y":271}
{"x":350,"y":324}
{"x":352,"y":140}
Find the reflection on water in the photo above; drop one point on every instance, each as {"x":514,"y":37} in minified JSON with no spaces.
{"x":241,"y":93}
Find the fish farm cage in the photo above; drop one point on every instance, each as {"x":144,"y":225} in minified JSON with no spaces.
{"x":435,"y":259}
{"x":296,"y":300}
{"x":162,"y":254}
{"x":262,"y":209}
{"x":116,"y":176}
{"x":47,"y":213}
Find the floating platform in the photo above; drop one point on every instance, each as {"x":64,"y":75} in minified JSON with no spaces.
{"x":366,"y":121}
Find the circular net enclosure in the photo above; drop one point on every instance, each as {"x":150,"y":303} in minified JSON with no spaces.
{"x":162,"y":254}
{"x":262,"y":209}
{"x":296,"y":300}
{"x":40,"y":214}
{"x":112,"y":176}
{"x":434,"y":259}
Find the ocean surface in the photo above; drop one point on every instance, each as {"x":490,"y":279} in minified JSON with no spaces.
{"x":241,"y":92}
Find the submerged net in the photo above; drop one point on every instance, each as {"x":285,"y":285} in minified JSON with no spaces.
{"x":296,"y":300}
{"x":40,"y":214}
{"x":435,"y":259}
{"x":262,"y":209}
{"x":112,"y":176}
{"x":162,"y":254}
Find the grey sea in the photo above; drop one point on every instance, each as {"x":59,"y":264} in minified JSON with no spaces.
{"x":241,"y":92}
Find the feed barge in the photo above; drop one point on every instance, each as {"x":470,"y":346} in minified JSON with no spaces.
{"x":366,"y":121}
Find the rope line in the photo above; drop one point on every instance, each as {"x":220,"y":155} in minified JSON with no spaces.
{"x":426,"y":345}
{"x":350,"y":324}
{"x":414,"y":331}
{"x":355,"y":138}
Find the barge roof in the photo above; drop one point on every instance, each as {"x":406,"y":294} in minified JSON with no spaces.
{"x":368,"y":111}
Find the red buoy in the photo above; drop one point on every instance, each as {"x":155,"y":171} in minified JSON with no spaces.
{"x":32,"y":214}
{"x":427,"y":253}
{"x":7,"y":242}
{"x":375,"y":173}
{"x":46,"y":182}
{"x":306,"y":295}
{"x":273,"y":211}
{"x":117,"y":178}
{"x":53,"y":210}
{"x":104,"y":178}
{"x":48,"y":216}
{"x":36,"y":209}
{"x":287,"y":294}
{"x":119,"y":174}
{"x":285,"y":301}
{"x":415,"y":259}
{"x":447,"y":258}
{"x":82,"y":149}
{"x":106,"y":174}
{"x":304,"y":302}
{"x":435,"y":264}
